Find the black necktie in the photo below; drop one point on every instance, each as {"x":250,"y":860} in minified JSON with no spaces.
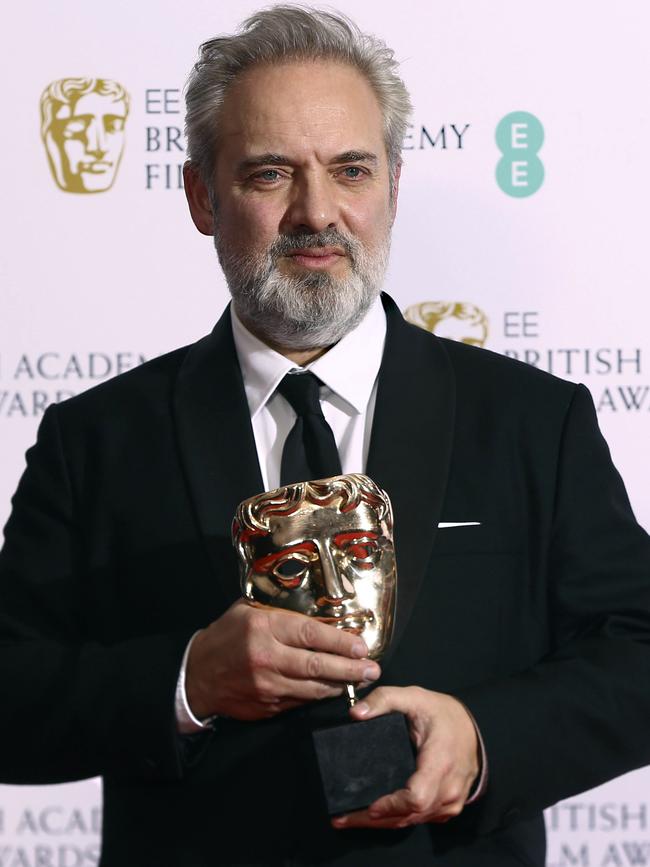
{"x":310,"y":450}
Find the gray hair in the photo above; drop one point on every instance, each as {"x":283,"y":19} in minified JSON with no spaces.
{"x":276,"y":35}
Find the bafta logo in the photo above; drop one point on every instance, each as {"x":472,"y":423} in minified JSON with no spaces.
{"x":455,"y":319}
{"x":82,"y":127}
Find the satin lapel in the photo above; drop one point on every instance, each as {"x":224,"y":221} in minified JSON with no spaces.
{"x":216,"y":443}
{"x":410,"y":448}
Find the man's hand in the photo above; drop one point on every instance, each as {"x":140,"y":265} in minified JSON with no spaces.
{"x":447,"y":759}
{"x":253,"y":663}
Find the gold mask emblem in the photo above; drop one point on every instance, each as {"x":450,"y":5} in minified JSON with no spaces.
{"x":458,"y":320}
{"x":82,"y":127}
{"x":324,"y":549}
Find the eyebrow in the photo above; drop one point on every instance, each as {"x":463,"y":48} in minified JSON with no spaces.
{"x":266,"y":562}
{"x":356,"y":157}
{"x":271,"y":159}
{"x":263,"y":160}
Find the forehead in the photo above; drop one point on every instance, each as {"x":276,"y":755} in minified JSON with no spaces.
{"x":93,"y":103}
{"x":318,"y":522}
{"x":301,"y":107}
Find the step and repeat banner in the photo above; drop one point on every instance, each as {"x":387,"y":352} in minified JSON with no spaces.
{"x":522,"y":227}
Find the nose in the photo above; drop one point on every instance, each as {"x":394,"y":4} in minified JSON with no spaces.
{"x":333,"y":590}
{"x":313,"y":205}
{"x":96,"y":139}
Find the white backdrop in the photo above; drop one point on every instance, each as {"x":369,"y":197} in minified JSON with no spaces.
{"x":91,"y":284}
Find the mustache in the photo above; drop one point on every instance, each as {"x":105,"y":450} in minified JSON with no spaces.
{"x":330,"y":237}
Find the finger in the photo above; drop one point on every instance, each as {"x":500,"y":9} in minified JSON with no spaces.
{"x":420,"y":795}
{"x":362,"y":819}
{"x":297,"y":663}
{"x":396,"y":814}
{"x":407,"y":801}
{"x":298,"y":630}
{"x":444,"y":780}
{"x":301,"y":691}
{"x":395,"y":804}
{"x":275,"y":689}
{"x":429,"y":796}
{"x":382,"y":700}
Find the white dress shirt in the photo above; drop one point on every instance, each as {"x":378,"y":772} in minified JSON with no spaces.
{"x":349,"y":373}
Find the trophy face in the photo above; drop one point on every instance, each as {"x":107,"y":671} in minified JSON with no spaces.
{"x":324,"y":549}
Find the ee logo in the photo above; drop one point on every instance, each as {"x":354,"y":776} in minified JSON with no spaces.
{"x":520,"y":172}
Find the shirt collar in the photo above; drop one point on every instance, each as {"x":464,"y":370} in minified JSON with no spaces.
{"x":349,"y":368}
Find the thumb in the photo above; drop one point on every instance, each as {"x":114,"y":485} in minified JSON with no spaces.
{"x":382,"y":700}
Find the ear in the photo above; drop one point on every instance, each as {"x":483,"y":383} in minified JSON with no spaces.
{"x":198,"y":199}
{"x":395,"y":193}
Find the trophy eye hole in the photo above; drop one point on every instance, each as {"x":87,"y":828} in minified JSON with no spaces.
{"x":363,"y":551}
{"x":114,"y":123}
{"x":291,"y":571}
{"x":74,"y":127}
{"x":359,"y":552}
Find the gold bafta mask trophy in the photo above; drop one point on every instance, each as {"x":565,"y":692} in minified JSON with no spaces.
{"x":325,"y":549}
{"x":82,"y":127}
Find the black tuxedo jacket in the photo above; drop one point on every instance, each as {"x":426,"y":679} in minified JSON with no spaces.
{"x":118,"y":549}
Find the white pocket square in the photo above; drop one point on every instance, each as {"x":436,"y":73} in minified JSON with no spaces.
{"x":444,"y":524}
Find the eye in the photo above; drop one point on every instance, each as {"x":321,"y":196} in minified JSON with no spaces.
{"x":352,"y":172}
{"x":268,"y":175}
{"x":362,"y":552}
{"x":113,"y":123}
{"x":359,"y":552}
{"x":292,"y":570}
{"x":74,"y":128}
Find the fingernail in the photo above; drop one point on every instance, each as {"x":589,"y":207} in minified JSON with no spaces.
{"x":339,"y":820}
{"x":359,"y":649}
{"x":372,"y":672}
{"x":361,"y":708}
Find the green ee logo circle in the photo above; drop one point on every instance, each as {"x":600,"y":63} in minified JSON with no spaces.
{"x":519,"y":136}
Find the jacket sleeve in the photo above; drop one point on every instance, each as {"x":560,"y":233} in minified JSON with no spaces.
{"x":73,"y":706}
{"x":580,"y":716}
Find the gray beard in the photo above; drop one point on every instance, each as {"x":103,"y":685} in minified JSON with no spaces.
{"x":305,"y":311}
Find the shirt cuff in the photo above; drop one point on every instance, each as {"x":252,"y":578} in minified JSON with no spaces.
{"x":186,"y":722}
{"x":480,"y":784}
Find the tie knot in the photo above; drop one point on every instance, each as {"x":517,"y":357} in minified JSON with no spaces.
{"x":302,"y":390}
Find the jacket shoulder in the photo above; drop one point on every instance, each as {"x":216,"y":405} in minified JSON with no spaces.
{"x":489,"y":369}
{"x":144,"y":388}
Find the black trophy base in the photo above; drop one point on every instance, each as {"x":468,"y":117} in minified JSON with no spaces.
{"x":361,"y":761}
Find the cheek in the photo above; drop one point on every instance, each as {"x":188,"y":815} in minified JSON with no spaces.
{"x":377,"y":584}
{"x":114,"y":142}
{"x":368,"y":586}
{"x":264,"y":591}
{"x":73,"y":150}
{"x":248,"y":224}
{"x":371,"y":225}
{"x":260,"y":586}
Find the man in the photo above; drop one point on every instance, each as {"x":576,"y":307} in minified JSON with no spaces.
{"x":520,"y":654}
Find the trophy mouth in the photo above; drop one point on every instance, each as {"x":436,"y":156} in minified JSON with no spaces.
{"x":352,"y":621}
